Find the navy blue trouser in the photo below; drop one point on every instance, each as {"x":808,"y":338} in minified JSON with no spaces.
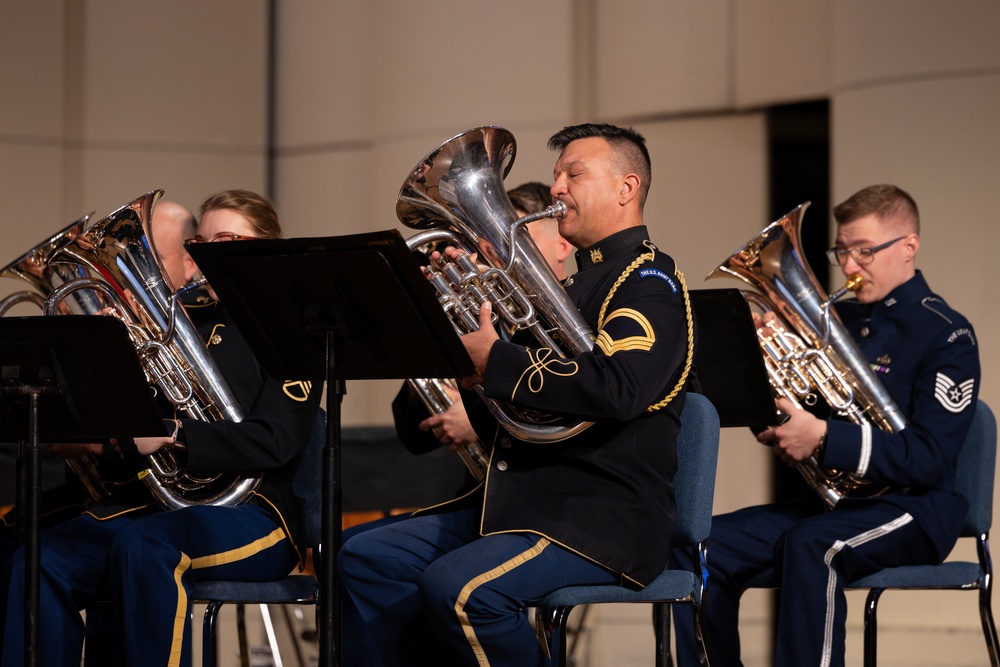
{"x":146,"y":565}
{"x":814,"y":553}
{"x":431,"y":591}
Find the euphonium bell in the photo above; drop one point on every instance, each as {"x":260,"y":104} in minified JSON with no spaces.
{"x":456,"y":194}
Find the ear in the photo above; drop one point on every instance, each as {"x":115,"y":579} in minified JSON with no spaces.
{"x":629,"y":188}
{"x":190,"y":267}
{"x":912,"y":245}
{"x":563,"y":249}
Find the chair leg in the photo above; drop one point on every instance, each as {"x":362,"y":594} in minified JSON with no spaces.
{"x":989,"y":627}
{"x":661,"y":628}
{"x":241,"y":631}
{"x":555,"y":620}
{"x":272,"y":639}
{"x":209,"y":650}
{"x":871,"y":627}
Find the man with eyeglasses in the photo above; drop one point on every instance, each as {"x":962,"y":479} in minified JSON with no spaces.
{"x":927,"y":357}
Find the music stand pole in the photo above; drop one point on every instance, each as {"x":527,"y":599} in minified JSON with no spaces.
{"x":330,"y":622}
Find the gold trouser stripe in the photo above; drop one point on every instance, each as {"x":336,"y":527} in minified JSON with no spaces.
{"x":231,"y":556}
{"x":234,"y":555}
{"x":463,"y":597}
{"x":180,"y":614}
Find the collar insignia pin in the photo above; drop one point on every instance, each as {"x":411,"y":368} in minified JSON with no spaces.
{"x":595,"y":256}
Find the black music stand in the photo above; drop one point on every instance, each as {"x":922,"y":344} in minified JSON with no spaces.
{"x":729,"y":361}
{"x":82,"y":374}
{"x":355,"y":307}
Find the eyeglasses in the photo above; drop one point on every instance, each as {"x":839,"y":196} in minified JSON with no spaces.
{"x":861,"y":256}
{"x":224,"y":236}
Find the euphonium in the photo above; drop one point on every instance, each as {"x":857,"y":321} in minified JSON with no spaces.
{"x":116,"y":252}
{"x":456,"y":194}
{"x":37,"y":268}
{"x":809,"y":352}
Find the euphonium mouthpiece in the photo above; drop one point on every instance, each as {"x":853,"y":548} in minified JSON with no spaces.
{"x":854,"y":282}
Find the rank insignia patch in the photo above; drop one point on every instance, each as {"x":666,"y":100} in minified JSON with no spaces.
{"x":297,"y":390}
{"x":625,"y":329}
{"x":954,"y":397}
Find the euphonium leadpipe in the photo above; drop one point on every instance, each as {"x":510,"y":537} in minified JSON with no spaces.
{"x":456,"y":193}
{"x":117,"y":252}
{"x":809,"y":351}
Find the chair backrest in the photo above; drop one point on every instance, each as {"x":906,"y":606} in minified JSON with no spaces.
{"x":697,"y":458}
{"x":308,"y":480}
{"x":974,"y":474}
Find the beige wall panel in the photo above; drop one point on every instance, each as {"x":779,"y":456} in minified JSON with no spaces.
{"x":652,"y":57}
{"x":112,"y":179}
{"x":323,"y":87}
{"x":323,"y":194}
{"x":30,"y":192}
{"x":31,"y":59}
{"x":444,"y":66}
{"x":782,"y":51}
{"x":875,"y":41}
{"x":190,"y":72}
{"x":935,"y":140}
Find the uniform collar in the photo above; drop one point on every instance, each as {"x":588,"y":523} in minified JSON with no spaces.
{"x":907,"y":294}
{"x":611,"y":247}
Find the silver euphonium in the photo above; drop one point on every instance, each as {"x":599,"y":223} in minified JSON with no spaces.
{"x":123,"y":270}
{"x":809,"y":353}
{"x":456,"y":194}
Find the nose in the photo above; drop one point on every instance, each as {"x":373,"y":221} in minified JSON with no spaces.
{"x":557,"y":188}
{"x":850,"y":266}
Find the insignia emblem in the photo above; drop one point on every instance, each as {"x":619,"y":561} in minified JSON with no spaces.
{"x":215,"y":339}
{"x":883,"y":360}
{"x":954,"y":397}
{"x":297,"y":390}
{"x":595,"y":256}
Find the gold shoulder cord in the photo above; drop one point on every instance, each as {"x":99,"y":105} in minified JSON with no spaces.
{"x":687,"y":311}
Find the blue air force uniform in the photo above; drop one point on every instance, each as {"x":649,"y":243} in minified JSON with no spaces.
{"x":927,"y":357}
{"x":596,"y":508}
{"x":146,"y":558}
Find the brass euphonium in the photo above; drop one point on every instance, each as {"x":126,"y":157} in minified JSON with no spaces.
{"x":456,"y":195}
{"x":37,"y":268}
{"x":809,"y":353}
{"x":122,"y":268}
{"x":433,"y":393}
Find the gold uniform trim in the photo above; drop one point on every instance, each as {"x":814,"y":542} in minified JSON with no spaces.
{"x":467,"y":590}
{"x":240,"y":553}
{"x":541,"y":361}
{"x":180,"y":613}
{"x":609,"y":345}
{"x":297,"y":390}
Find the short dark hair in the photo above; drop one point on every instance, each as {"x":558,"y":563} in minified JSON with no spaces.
{"x":887,"y":202}
{"x":257,"y":209}
{"x":530,"y":197}
{"x":628,"y":145}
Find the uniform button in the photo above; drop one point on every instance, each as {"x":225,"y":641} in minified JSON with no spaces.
{"x":505,"y":443}
{"x":501,"y":465}
{"x":864,"y":332}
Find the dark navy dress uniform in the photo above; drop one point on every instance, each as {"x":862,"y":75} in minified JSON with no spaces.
{"x":927,"y":357}
{"x":147,"y":559}
{"x":596,"y":508}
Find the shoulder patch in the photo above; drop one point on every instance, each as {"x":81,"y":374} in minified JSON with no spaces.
{"x":297,"y":390}
{"x":953,"y":396}
{"x":962,"y":332}
{"x":658,"y":273}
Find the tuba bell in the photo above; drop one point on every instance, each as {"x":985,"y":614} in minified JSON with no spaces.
{"x":115,"y":252}
{"x":809,"y":353}
{"x":456,"y":196}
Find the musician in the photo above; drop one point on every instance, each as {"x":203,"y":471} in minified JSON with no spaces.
{"x":145,"y":558}
{"x":171,"y":225}
{"x":927,"y":357}
{"x":596,"y":508}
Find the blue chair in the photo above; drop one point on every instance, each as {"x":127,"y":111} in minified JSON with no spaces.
{"x":301,"y":589}
{"x":974,"y":479}
{"x":697,"y":455}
